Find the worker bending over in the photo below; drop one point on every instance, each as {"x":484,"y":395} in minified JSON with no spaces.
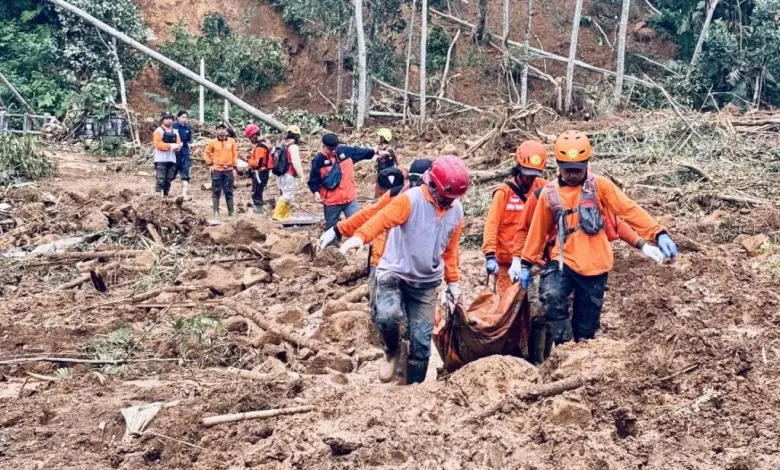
{"x":221,"y":155}
{"x":571,"y":207}
{"x":422,"y":246}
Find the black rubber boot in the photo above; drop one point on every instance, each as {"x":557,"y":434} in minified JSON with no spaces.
{"x":536,"y":344}
{"x":258,"y":208}
{"x":415,"y":371}
{"x":231,"y":212}
{"x":215,"y":204}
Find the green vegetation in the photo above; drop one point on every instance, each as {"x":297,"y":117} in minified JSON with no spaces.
{"x":233,"y":61}
{"x":57,"y":61}
{"x":21,"y":158}
{"x":438,"y":44}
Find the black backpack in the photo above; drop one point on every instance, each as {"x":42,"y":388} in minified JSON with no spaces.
{"x":281,"y":161}
{"x":333,"y":179}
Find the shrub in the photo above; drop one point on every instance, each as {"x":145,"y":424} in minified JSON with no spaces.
{"x":21,"y":158}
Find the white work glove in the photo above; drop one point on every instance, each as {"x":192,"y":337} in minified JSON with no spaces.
{"x":317,"y":198}
{"x":453,"y":289}
{"x":514,"y":270}
{"x":653,"y":252}
{"x":327,"y":238}
{"x":354,"y":243}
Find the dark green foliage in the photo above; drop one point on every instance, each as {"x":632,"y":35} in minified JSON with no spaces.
{"x":51,"y":55}
{"x":233,"y":61}
{"x":438,"y":43}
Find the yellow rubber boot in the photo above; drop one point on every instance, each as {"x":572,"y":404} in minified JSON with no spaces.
{"x":282,"y":210}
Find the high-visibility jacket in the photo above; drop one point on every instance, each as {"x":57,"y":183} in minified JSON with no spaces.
{"x":322,"y":164}
{"x":506,"y":213}
{"x":423,"y":242}
{"x":258,"y":159}
{"x":221,"y":154}
{"x":588,"y":255}
{"x":348,"y":227}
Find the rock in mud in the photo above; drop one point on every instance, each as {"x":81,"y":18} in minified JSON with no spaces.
{"x":348,"y":328}
{"x":95,"y":221}
{"x":245,"y":230}
{"x":292,"y":316}
{"x":330,"y":360}
{"x":287,"y":266}
{"x":752,"y":245}
{"x":569,"y":413}
{"x":254,"y":276}
{"x":329,"y":257}
{"x":340,"y":445}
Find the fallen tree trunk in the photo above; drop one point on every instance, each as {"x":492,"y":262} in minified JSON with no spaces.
{"x":414,"y":95}
{"x":16,"y":94}
{"x":169,"y":63}
{"x":554,"y":388}
{"x":479,"y":177}
{"x":285,"y":332}
{"x":232,"y":418}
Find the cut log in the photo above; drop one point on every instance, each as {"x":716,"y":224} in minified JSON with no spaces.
{"x":232,"y":418}
{"x":554,"y":388}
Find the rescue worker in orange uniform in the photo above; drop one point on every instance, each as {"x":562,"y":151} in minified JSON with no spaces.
{"x":259,"y":164}
{"x":508,"y":208}
{"x":572,"y":209}
{"x":424,"y":225}
{"x":221,"y":155}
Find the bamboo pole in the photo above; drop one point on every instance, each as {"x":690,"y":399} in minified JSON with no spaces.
{"x":232,"y":418}
{"x":169,"y":63}
{"x":423,"y":58}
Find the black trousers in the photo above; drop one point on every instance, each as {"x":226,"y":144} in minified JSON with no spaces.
{"x":259,"y":182}
{"x":222,"y":181}
{"x":555,"y":288}
{"x":165,"y":172}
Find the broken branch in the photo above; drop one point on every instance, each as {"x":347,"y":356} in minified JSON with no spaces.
{"x":232,"y":418}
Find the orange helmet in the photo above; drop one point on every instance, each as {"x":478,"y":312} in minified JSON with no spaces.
{"x":572,"y":150}
{"x":531,"y":155}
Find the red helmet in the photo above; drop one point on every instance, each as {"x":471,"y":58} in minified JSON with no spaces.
{"x":450,"y":176}
{"x":251,"y":130}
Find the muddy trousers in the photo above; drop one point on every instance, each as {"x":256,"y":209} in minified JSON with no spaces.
{"x":555,"y":288}
{"x":396,"y":301}
{"x":259,"y":182}
{"x":222,"y":181}
{"x":165,"y":172}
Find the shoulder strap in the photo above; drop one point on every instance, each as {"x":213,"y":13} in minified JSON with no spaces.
{"x":554,"y":198}
{"x":589,"y":188}
{"x":517,"y":191}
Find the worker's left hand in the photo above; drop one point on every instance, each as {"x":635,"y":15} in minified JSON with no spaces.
{"x":453,"y":290}
{"x":667,"y":246}
{"x":653,"y":252}
{"x":491,"y":265}
{"x":354,"y":243}
{"x":317,"y":198}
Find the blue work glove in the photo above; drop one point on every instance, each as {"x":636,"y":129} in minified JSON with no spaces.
{"x":491,"y":265}
{"x":667,"y":246}
{"x":525,"y":277}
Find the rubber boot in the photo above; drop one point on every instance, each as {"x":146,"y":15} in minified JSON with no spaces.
{"x":537,"y":344}
{"x":184,"y":187}
{"x":215,"y":204}
{"x":387,"y":368}
{"x":282,"y":210}
{"x":231,"y":211}
{"x":416,"y":371}
{"x":258,"y":208}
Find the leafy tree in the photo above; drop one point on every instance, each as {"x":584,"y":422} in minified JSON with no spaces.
{"x":233,"y":61}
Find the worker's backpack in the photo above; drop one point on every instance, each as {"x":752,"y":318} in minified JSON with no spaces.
{"x":590,"y":221}
{"x":281,"y":161}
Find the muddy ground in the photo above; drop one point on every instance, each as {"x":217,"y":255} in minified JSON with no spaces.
{"x":685,"y":371}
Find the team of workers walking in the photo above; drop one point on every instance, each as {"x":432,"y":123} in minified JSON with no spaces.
{"x":559,"y":230}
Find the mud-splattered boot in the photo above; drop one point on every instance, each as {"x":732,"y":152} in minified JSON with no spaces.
{"x":387,"y":367}
{"x":215,"y":205}
{"x":231,"y":211}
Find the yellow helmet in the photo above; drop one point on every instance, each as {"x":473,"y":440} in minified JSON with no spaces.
{"x":294,"y":130}
{"x":385,"y":133}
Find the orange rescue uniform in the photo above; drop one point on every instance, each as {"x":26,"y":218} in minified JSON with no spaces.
{"x":503,"y":221}
{"x":348,"y":227}
{"x":221,"y":154}
{"x":587,"y":255}
{"x":397,"y":213}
